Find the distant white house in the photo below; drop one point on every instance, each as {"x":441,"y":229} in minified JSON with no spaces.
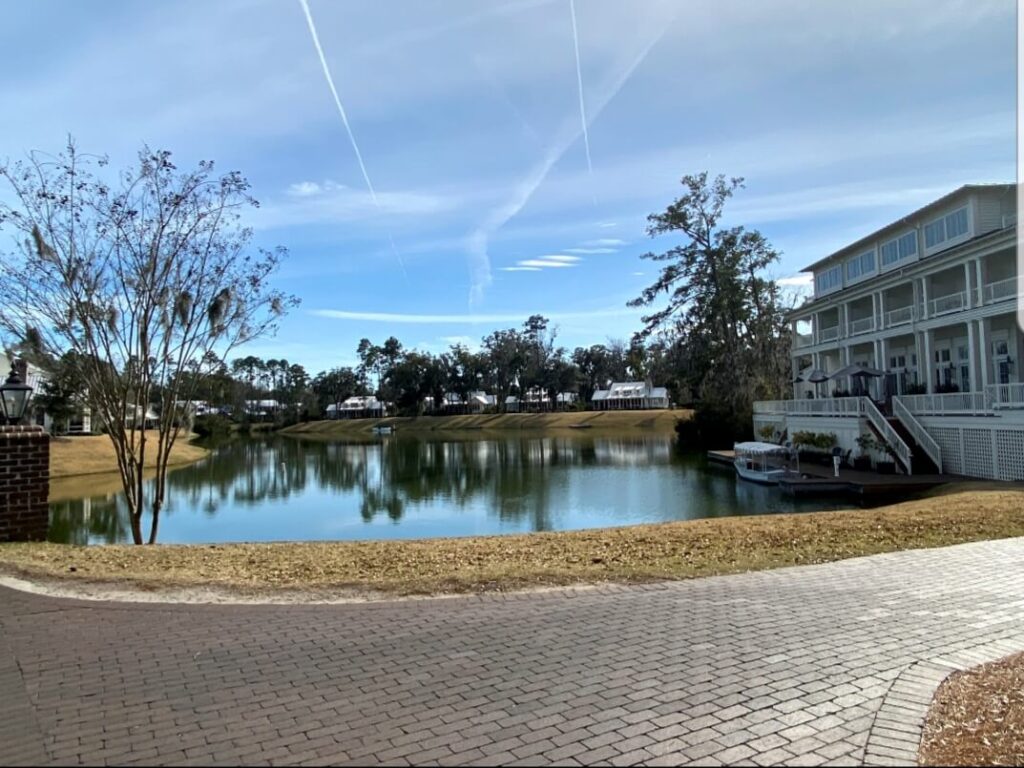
{"x":357,"y":407}
{"x":79,"y":423}
{"x":537,"y":400}
{"x":262,"y":409}
{"x":630,"y":396}
{"x":476,"y":402}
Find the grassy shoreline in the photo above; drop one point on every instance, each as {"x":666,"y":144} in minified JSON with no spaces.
{"x":94,"y":454}
{"x":645,"y":553}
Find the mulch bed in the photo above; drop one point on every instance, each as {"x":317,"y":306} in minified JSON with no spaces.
{"x":977,"y":717}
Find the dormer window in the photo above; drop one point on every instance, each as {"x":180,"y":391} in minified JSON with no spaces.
{"x":829,"y":280}
{"x":948,"y":227}
{"x":899,"y":248}
{"x":862,"y":265}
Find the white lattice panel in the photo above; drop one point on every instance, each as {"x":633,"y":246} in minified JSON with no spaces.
{"x":1010,"y":451}
{"x":948,"y":439}
{"x":978,"y":453}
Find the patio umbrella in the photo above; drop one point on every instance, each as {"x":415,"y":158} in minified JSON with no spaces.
{"x":813,"y":375}
{"x":867,"y":370}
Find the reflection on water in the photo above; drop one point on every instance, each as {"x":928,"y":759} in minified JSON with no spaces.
{"x":279,"y":488}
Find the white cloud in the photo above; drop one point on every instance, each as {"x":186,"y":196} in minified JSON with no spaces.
{"x":637,"y":274}
{"x":520,"y":269}
{"x":544,"y":263}
{"x":606,"y":241}
{"x":310,"y":202}
{"x":590,"y":250}
{"x":471,"y":319}
{"x":800,"y":280}
{"x":304,"y":189}
{"x":607,"y":224}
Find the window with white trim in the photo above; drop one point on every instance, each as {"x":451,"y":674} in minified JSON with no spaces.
{"x":828,"y":280}
{"x":948,"y":227}
{"x":861,"y":265}
{"x":899,"y":248}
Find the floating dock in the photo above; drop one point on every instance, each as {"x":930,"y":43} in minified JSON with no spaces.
{"x":819,"y":480}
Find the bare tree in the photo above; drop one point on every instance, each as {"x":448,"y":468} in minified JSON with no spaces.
{"x":145,"y":277}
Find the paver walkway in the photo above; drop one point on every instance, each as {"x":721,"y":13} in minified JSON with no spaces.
{"x":785,"y":666}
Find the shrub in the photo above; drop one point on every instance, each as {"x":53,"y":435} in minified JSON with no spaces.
{"x":212,"y":426}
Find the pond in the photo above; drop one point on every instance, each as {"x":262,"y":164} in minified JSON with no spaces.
{"x":282,"y":488}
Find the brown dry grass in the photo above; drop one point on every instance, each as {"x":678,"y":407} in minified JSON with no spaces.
{"x":634,"y":554}
{"x":656,"y":421}
{"x":86,"y":455}
{"x":977,"y":717}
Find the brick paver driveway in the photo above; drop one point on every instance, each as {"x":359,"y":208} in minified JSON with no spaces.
{"x":787,"y":666}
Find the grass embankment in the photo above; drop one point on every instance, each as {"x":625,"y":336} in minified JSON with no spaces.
{"x":87,"y":455}
{"x":659,"y":421}
{"x":977,"y":717}
{"x":634,"y":554}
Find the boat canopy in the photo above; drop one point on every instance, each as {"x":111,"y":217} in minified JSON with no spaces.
{"x":756,"y":447}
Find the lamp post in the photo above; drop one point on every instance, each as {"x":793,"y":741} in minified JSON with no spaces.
{"x":14,"y":397}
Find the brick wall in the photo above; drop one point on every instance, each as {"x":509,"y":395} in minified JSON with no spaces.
{"x":24,"y":483}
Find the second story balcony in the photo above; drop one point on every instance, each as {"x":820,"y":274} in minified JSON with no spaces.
{"x":951,"y":302}
{"x":900,"y":316}
{"x":828,"y":334}
{"x":1001,"y":290}
{"x":863,"y":325}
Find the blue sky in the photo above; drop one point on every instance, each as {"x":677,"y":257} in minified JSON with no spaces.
{"x":467,"y":116}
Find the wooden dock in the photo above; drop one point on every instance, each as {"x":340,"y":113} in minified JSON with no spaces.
{"x":819,"y":480}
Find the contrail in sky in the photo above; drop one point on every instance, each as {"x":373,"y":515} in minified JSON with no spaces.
{"x":579,"y":86}
{"x":344,"y":120}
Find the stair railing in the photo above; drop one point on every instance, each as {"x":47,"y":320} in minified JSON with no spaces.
{"x":885,"y":429}
{"x":918,"y":432}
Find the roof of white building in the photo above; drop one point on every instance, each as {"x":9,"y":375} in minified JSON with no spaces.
{"x":903,"y":221}
{"x":629,"y":390}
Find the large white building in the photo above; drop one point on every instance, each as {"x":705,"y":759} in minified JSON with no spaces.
{"x":928,"y":308}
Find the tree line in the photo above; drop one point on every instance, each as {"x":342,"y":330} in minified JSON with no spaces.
{"x":137,"y":286}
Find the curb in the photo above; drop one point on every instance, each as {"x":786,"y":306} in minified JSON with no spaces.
{"x":895,"y":734}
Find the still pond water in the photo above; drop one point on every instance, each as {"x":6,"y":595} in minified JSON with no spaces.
{"x":281,"y":488}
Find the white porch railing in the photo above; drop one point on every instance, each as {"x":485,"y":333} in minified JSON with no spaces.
{"x":899,"y":316}
{"x":1006,"y":395}
{"x":925,"y":441}
{"x":1001,"y":290}
{"x":863,"y":325}
{"x":948,"y":404}
{"x":828,"y":334}
{"x":954,"y":302}
{"x":888,"y":433}
{"x":826,"y":406}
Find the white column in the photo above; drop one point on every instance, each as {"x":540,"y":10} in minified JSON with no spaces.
{"x":973,"y":357}
{"x":967,"y":284}
{"x":881,"y":310}
{"x":929,"y":370}
{"x":815,"y":325}
{"x":981,"y":284}
{"x":844,"y":320}
{"x":874,"y":310}
{"x":883,"y":347}
{"x":924,"y":298}
{"x":984,"y":345}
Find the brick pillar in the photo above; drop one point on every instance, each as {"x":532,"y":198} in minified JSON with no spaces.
{"x":24,"y":483}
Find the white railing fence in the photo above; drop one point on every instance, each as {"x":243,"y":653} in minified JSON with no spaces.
{"x":886,"y":430}
{"x":948,"y":404}
{"x":925,"y":441}
{"x":863,"y":325}
{"x":951,"y":303}
{"x":828,"y":334}
{"x":1006,"y":395}
{"x":899,"y":316}
{"x":998,"y":291}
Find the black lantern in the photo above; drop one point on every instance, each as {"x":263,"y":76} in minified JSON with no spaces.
{"x":14,"y":397}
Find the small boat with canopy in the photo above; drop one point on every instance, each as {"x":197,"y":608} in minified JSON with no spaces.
{"x":759,"y":462}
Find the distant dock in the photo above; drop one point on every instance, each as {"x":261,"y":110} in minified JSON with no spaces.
{"x":818,"y":480}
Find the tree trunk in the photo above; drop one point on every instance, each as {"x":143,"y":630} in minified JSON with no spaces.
{"x":156,"y":521}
